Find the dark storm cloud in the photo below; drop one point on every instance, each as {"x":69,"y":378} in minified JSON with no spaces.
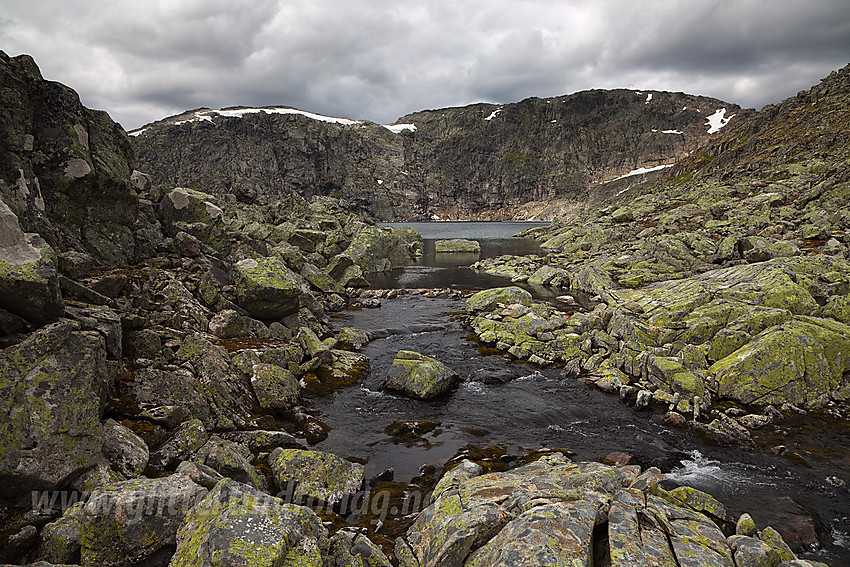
{"x":381,"y":59}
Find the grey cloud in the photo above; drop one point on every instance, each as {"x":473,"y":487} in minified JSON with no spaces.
{"x":382,"y":59}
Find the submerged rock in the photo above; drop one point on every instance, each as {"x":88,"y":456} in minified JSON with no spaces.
{"x":419,"y":376}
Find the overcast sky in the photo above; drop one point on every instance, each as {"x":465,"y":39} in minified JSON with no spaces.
{"x":143,"y":60}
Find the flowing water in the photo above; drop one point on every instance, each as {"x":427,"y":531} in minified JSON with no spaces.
{"x":521,"y":409}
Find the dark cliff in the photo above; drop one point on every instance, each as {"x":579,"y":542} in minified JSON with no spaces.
{"x":65,"y":169}
{"x":481,"y":161}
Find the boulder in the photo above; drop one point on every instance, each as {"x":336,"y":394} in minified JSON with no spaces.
{"x":797,"y":362}
{"x":266,"y":288}
{"x":489,"y":299}
{"x":241,"y":526}
{"x":275,"y":387}
{"x":225,"y":389}
{"x":127,"y":453}
{"x":187,"y":439}
{"x":135,"y":520}
{"x":165,"y":396}
{"x":227,"y":324}
{"x":60,"y":539}
{"x":314,"y":475}
{"x":419,"y":376}
{"x":183,"y":205}
{"x":29,"y":282}
{"x":380,"y":249}
{"x":53,"y":388}
{"x":457,"y":245}
{"x":231,"y":460}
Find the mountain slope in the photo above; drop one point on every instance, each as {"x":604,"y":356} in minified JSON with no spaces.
{"x":477,"y":162}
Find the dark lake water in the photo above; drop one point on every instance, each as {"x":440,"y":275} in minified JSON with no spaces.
{"x":523,"y":408}
{"x":442,"y":270}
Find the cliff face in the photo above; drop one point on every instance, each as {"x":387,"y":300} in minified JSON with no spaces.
{"x":477,"y":162}
{"x":65,"y":169}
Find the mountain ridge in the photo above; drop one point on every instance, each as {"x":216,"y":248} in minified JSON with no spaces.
{"x":477,"y":162}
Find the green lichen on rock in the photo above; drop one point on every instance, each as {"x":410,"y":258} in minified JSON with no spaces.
{"x":378,"y":249}
{"x":489,"y":299}
{"x":797,"y":362}
{"x":266,"y":288}
{"x":320,"y":477}
{"x":459,"y":245}
{"x":52,"y":389}
{"x":275,"y":387}
{"x":132,"y":520}
{"x":419,"y":376}
{"x":238,"y":525}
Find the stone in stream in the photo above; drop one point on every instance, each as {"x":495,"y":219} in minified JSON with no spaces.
{"x":419,"y":376}
{"x":457,"y":245}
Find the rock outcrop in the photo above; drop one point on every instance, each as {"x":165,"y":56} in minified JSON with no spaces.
{"x":482,"y":161}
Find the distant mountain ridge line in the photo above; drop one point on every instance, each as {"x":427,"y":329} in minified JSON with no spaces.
{"x":479,"y":162}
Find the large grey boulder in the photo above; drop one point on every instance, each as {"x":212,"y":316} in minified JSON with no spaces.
{"x":275,"y":387}
{"x":315,"y":475}
{"x":419,"y":376}
{"x":127,"y":452}
{"x":266,"y":288}
{"x":490,"y":299}
{"x":29,"y":283}
{"x":53,"y":387}
{"x":239,"y":525}
{"x":136,"y":520}
{"x":231,"y":460}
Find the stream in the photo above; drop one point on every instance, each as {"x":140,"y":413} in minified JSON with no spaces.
{"x":520,"y":408}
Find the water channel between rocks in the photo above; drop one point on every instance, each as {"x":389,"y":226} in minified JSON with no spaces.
{"x":523,"y":408}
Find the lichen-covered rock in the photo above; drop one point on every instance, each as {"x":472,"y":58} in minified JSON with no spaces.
{"x":489,"y":299}
{"x":184,"y":205}
{"x":419,"y":376}
{"x":231,"y":460}
{"x":227,"y":324}
{"x":349,"y":338}
{"x":29,"y":283}
{"x":356,"y":550}
{"x":135,"y":520}
{"x":266,"y":288}
{"x":60,"y":539}
{"x":457,"y":245}
{"x":187,"y":439}
{"x":467,"y":517}
{"x":164,"y":396}
{"x":275,"y":387}
{"x":53,"y":387}
{"x":797,"y":362}
{"x":240,"y":526}
{"x":314,"y":475}
{"x":103,"y":320}
{"x":226,"y":390}
{"x":127,"y":452}
{"x":378,"y":249}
